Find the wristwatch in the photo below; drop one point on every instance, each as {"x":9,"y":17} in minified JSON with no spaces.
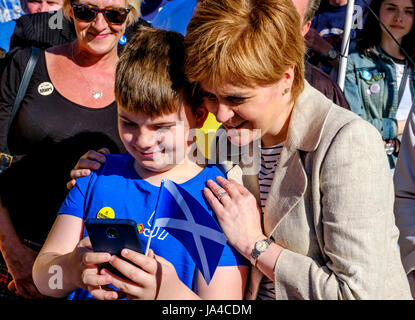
{"x":260,"y":247}
{"x":390,"y":147}
{"x":332,"y":54}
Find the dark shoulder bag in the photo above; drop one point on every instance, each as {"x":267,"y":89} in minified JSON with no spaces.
{"x":6,"y":158}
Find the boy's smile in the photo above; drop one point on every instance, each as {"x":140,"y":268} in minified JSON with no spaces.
{"x":157,"y":143}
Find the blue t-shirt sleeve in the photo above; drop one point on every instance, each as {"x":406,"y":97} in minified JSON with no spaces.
{"x":74,"y":203}
{"x":231,"y":257}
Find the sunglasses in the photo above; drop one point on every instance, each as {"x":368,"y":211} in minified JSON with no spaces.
{"x":88,"y":12}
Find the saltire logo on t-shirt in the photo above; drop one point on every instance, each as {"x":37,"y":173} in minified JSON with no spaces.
{"x":191,"y":224}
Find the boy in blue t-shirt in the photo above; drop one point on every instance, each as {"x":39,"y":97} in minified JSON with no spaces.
{"x":157,"y":110}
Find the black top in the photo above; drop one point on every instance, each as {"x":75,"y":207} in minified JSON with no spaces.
{"x":53,"y":133}
{"x":44,"y":113}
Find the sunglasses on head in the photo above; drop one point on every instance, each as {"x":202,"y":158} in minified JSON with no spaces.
{"x":88,"y":12}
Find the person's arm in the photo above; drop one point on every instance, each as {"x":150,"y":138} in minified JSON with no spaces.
{"x":18,"y":257}
{"x":404,"y":180}
{"x":64,"y":250}
{"x":240,"y":218}
{"x":92,"y":160}
{"x":74,"y":259}
{"x":156,"y":278}
{"x":401,"y":126}
{"x":228,"y":283}
{"x":357,"y":223}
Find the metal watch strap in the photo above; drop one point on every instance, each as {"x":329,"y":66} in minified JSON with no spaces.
{"x":255,"y":253}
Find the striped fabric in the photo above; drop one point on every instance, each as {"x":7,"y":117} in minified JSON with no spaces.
{"x":269,"y":160}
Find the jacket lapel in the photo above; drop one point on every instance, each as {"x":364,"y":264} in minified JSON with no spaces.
{"x":290,"y":178}
{"x":287,"y":188}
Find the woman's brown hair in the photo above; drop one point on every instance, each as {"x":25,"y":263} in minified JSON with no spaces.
{"x":150,"y":75}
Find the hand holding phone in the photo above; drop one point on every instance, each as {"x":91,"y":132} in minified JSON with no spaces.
{"x":113,"y":235}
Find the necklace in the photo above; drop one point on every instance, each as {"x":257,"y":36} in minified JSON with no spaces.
{"x":95,"y":94}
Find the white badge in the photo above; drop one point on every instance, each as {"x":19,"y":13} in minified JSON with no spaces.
{"x":45,"y":88}
{"x":375,"y":88}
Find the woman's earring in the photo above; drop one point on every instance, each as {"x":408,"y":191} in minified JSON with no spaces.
{"x":286,"y":90}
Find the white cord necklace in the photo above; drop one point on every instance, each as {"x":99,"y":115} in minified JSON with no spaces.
{"x":96,"y":94}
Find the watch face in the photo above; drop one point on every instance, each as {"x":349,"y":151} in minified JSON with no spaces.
{"x":332,"y":54}
{"x":389,"y":148}
{"x":261,"y":245}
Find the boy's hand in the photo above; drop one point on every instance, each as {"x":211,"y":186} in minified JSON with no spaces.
{"x":87,"y":262}
{"x":91,"y":160}
{"x":151,"y":277}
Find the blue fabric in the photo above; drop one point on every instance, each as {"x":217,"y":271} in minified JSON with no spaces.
{"x":330,"y":24}
{"x":379,"y":108}
{"x":186,"y":219}
{"x":10,"y":10}
{"x":118,"y":186}
{"x":150,"y":8}
{"x":6,"y":31}
{"x":175,"y":15}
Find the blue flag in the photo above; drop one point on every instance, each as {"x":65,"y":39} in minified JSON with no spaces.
{"x":188,"y":221}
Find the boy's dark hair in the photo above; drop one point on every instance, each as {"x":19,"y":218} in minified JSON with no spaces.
{"x":370,"y":35}
{"x":150,"y":77}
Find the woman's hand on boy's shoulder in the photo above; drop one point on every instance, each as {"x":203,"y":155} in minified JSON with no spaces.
{"x":92,"y":160}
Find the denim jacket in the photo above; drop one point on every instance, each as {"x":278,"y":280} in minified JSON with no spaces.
{"x":372,"y":91}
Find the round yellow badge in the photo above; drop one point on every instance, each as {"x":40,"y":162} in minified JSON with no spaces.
{"x":45,"y":88}
{"x":106,"y":213}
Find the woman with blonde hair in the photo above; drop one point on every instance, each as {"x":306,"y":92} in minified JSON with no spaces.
{"x":68,"y":108}
{"x":314,"y":211}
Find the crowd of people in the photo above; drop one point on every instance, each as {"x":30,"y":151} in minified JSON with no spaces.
{"x":312,"y":184}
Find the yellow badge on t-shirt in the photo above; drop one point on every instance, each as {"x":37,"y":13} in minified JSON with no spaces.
{"x":106,"y":213}
{"x":45,"y":88}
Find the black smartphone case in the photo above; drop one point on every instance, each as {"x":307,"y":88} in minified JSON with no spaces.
{"x":113,"y":235}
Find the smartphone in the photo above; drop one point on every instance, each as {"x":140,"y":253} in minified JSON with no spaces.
{"x":113,"y":235}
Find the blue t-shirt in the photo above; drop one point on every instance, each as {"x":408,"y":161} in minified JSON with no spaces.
{"x":118,"y":186}
{"x":6,"y":32}
{"x":175,"y":15}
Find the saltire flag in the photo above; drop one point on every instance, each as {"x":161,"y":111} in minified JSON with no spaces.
{"x":181,"y":215}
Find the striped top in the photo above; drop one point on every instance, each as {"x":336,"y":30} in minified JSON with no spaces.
{"x":269,"y":160}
